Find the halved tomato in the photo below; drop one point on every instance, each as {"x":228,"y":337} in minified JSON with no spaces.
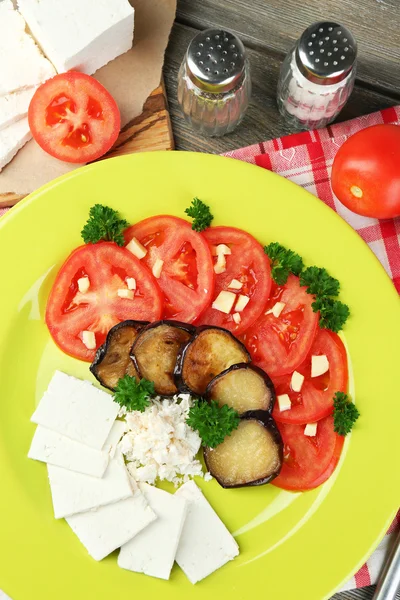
{"x":280,"y":344}
{"x":249,"y":265}
{"x":187,"y":276}
{"x":308,"y":461}
{"x":70,"y":312}
{"x":315,"y":400}
{"x":74,"y":118}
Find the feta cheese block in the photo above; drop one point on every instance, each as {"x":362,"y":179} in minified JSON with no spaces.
{"x":14,"y":107}
{"x":205,"y":544}
{"x":153,"y":551}
{"x":80,"y":34}
{"x":104,"y":530}
{"x":74,"y":493}
{"x":12,"y":138}
{"x":77,"y":409}
{"x":22,"y":65}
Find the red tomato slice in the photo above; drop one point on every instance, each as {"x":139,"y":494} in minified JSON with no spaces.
{"x":315,"y":400}
{"x":247,"y":263}
{"x":280,"y":344}
{"x":308,"y":461}
{"x":74,"y":118}
{"x":187,"y":276}
{"x":69,"y":312}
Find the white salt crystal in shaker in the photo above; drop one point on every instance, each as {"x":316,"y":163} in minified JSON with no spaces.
{"x":317,"y":76}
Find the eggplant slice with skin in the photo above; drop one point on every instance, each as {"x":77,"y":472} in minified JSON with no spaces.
{"x":211,"y":351}
{"x":113,"y":360}
{"x":251,"y":455}
{"x":243,"y":387}
{"x":155,"y":351}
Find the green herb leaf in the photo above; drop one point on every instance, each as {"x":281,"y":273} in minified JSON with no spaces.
{"x":105,"y":224}
{"x":213,"y":422}
{"x":345,"y":413}
{"x":134,"y":394}
{"x":200,"y":213}
{"x":319,"y":282}
{"x":283,"y":262}
{"x":333,"y":313}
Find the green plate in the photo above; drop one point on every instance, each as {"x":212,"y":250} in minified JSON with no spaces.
{"x":292,"y":545}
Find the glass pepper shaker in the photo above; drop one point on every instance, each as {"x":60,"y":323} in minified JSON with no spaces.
{"x":317,"y":76}
{"x":214,"y":84}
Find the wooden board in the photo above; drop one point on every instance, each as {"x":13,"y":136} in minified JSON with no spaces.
{"x":149,"y":131}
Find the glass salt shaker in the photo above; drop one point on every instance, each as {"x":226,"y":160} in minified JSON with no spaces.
{"x":214,"y":84}
{"x":317,"y":76}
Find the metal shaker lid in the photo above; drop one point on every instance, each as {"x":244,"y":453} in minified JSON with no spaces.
{"x":215,"y":60}
{"x":326,"y":53}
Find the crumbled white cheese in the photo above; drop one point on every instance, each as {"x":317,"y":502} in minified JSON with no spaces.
{"x":284,"y":402}
{"x":220,"y":265}
{"x":159,"y":444}
{"x":131,"y":283}
{"x":241,"y":303}
{"x":276,"y":309}
{"x":83,"y":284}
{"x":223,"y":249}
{"x":224,"y":302}
{"x":296,"y":383}
{"x":237,"y":318}
{"x":157,"y":268}
{"x":136,"y":248}
{"x":311,"y":429}
{"x":123,"y":293}
{"x":235,"y":284}
{"x":89,"y":339}
{"x":319,"y":365}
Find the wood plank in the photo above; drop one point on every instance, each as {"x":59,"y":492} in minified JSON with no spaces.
{"x":262,"y":121}
{"x":276,"y":24}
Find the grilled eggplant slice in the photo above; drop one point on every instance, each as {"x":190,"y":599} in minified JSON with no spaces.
{"x":155,"y":351}
{"x":112,"y":360}
{"x":251,"y":455}
{"x":211,"y":351}
{"x":243,"y":387}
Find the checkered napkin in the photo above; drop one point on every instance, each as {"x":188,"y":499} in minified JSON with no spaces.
{"x":306,"y":158}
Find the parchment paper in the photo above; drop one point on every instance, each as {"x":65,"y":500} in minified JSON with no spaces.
{"x":130,"y":78}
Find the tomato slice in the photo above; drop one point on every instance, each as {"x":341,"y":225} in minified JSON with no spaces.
{"x":187,"y":275}
{"x":308,"y":461}
{"x":247,"y":263}
{"x":70,"y":312}
{"x":315,"y":400}
{"x":74,"y":118}
{"x":280,"y":344}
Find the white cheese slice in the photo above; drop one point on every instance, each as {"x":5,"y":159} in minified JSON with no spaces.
{"x":276,"y":309}
{"x":284,"y":402}
{"x":14,"y":107}
{"x":80,"y":34}
{"x":83,"y":284}
{"x":13,"y":138}
{"x":241,"y":303}
{"x":310,"y":429}
{"x":296,"y":382}
{"x":77,"y":409}
{"x":114,"y":437}
{"x":22,"y":65}
{"x":224,"y":302}
{"x":319,"y":365}
{"x":109,"y":527}
{"x":235,"y":284}
{"x":157,"y":268}
{"x":153,"y":551}
{"x":131,"y":283}
{"x":136,"y":248}
{"x":74,"y":493}
{"x":205,"y":544}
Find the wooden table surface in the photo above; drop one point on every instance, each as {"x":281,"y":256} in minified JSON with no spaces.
{"x":268,"y":29}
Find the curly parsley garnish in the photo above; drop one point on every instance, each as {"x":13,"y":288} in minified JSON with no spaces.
{"x":213,"y":422}
{"x":345,"y":413}
{"x":319,"y":282}
{"x":200,"y":213}
{"x":134,"y":394}
{"x":283,"y":262}
{"x":104,"y":224}
{"x":333,"y":314}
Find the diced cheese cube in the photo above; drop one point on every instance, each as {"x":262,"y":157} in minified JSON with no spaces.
{"x":80,"y":35}
{"x":241,"y":303}
{"x":74,"y":493}
{"x":296,"y":383}
{"x":319,"y":365}
{"x":223,"y":249}
{"x":311,"y":429}
{"x":220,"y":265}
{"x":237,"y":318}
{"x":131,"y":283}
{"x":205,"y":544}
{"x":89,"y":339}
{"x":109,"y":527}
{"x":124,"y":293}
{"x":235,"y":284}
{"x":136,"y":248}
{"x":77,"y":409}
{"x":13,"y":138}
{"x":83,"y":284}
{"x":157,"y":268}
{"x":224,"y":302}
{"x":284,"y":402}
{"x":22,"y":65}
{"x":153,"y":551}
{"x":276,"y":309}
{"x":14,"y":107}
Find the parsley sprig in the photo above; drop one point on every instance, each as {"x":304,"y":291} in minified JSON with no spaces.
{"x":104,"y":223}
{"x":345,"y":413}
{"x":283,"y":262}
{"x":333,"y":314}
{"x":200,"y":213}
{"x":134,"y":394}
{"x":319,"y":282}
{"x":213,"y":422}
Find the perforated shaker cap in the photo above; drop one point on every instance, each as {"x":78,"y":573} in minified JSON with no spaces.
{"x":326,"y":53}
{"x":215,"y":60}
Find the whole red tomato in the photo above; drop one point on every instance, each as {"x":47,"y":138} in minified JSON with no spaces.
{"x":366,"y":172}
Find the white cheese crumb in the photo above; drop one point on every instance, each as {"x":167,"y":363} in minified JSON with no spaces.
{"x":157,"y":268}
{"x":276,"y":309}
{"x":131,"y":283}
{"x":89,"y":339}
{"x":296,"y":383}
{"x":223,"y":249}
{"x":220,"y":265}
{"x":237,"y":318}
{"x":207,"y":476}
{"x":224,"y":302}
{"x":83,"y":284}
{"x":311,"y":429}
{"x":123,"y":293}
{"x":319,"y":365}
{"x":241,"y":303}
{"x":136,"y":248}
{"x":235,"y":284}
{"x":284,"y":402}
